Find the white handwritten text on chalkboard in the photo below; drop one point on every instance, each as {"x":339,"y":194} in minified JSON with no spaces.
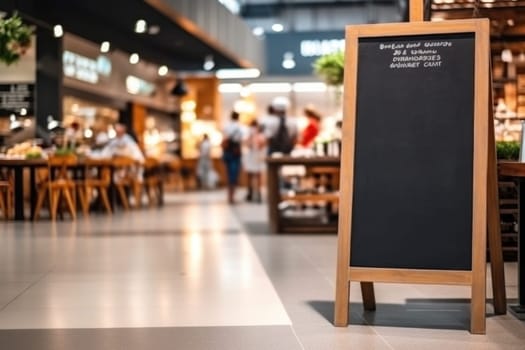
{"x":415,"y":55}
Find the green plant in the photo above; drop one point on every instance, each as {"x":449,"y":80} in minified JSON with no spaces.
{"x":64,"y":151}
{"x":508,"y":150}
{"x":331,"y":68}
{"x":15,"y":39}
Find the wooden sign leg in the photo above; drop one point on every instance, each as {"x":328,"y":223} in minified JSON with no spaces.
{"x":477,"y":304}
{"x":369,"y":298}
{"x":342,"y":297}
{"x":493,"y":222}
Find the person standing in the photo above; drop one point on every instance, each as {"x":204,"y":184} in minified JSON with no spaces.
{"x":280,"y":131}
{"x":204,"y":164}
{"x":231,"y":153}
{"x":312,"y":128}
{"x":254,"y":161}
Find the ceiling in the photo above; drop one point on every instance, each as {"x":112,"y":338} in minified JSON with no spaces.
{"x":114,"y":21}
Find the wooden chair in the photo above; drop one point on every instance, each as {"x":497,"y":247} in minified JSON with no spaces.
{"x":97,"y":176}
{"x":125,"y":178}
{"x":58,"y":184}
{"x":174,"y":179}
{"x":152,"y":181}
{"x":5,"y":198}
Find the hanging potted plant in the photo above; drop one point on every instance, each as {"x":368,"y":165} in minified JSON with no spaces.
{"x":15,"y":39}
{"x":330,"y":68}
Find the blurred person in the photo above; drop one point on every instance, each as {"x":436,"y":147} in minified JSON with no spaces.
{"x":72,"y":135}
{"x":311,"y":130}
{"x":280,"y":131}
{"x":231,"y":147}
{"x":254,"y":160}
{"x":124,"y":145}
{"x":204,"y":163}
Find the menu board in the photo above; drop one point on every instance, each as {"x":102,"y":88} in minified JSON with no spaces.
{"x":15,"y":97}
{"x":412,"y":195}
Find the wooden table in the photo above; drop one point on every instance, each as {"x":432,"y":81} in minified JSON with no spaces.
{"x":517,"y":170}
{"x":274,"y":165}
{"x":18,"y":166}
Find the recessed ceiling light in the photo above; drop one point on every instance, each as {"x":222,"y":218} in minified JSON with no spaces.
{"x":134,"y":58}
{"x":105,"y":46}
{"x":258,"y":31}
{"x":58,"y":31}
{"x":277,"y":27}
{"x":154,"y":30}
{"x":163,"y":70}
{"x":208,"y":63}
{"x":141,"y":26}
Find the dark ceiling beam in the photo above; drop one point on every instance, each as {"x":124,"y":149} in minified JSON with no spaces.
{"x":274,"y":9}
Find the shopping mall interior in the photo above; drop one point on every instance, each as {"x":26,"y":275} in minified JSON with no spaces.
{"x":262,"y":174}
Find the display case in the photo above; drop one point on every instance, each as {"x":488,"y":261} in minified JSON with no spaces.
{"x":303,"y":194}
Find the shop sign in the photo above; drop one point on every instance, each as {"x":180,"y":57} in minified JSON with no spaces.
{"x":293,"y":53}
{"x":16,"y":97}
{"x":137,"y":86}
{"x":311,"y":48}
{"x":84,"y":68}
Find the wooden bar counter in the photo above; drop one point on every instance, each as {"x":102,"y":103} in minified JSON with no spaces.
{"x":285,"y":194}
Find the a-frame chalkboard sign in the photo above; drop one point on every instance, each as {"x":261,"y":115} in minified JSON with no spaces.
{"x":414,"y":163}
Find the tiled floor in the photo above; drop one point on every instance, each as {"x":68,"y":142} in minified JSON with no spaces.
{"x":199,"y":274}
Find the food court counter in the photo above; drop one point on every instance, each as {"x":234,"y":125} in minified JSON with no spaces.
{"x":303,"y":194}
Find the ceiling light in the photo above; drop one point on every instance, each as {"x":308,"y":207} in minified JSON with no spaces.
{"x":141,"y":26}
{"x":506,"y":55}
{"x":163,"y":70}
{"x":153,"y":30}
{"x":277,"y":27}
{"x":288,"y":61}
{"x":271,"y":87}
{"x":208,"y":63}
{"x":309,"y":87}
{"x":510,"y":22}
{"x":105,"y":46}
{"x":179,"y":89}
{"x":230,"y":88}
{"x":238,"y":73}
{"x":134,"y":58}
{"x":58,"y":31}
{"x":258,"y":31}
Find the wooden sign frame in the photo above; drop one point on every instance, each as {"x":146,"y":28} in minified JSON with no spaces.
{"x":476,"y":277}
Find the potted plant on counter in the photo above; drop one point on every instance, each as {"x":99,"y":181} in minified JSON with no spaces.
{"x":15,"y":39}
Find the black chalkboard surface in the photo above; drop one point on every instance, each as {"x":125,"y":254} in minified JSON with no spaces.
{"x":413,"y":170}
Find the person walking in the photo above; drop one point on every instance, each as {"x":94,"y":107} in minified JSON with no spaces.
{"x":231,"y":153}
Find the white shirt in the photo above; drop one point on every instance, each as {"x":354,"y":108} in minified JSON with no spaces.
{"x":123,"y":146}
{"x":233,"y":131}
{"x":271,"y":125}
